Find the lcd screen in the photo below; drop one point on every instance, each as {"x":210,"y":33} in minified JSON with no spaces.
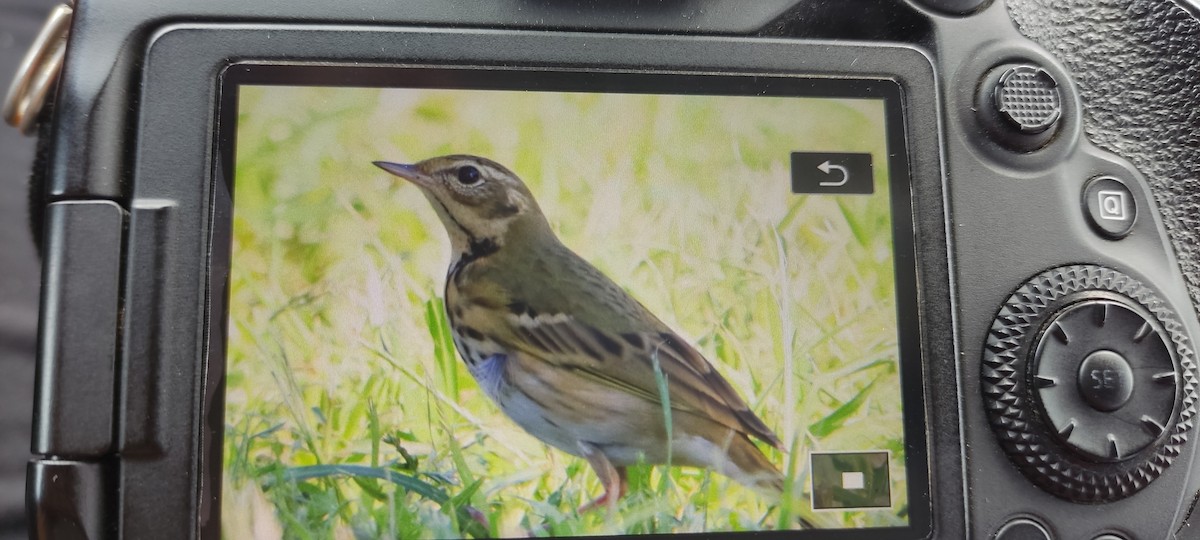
{"x":479,"y":302}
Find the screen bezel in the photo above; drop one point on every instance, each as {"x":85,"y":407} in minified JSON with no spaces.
{"x":601,"y":80}
{"x":168,"y":383}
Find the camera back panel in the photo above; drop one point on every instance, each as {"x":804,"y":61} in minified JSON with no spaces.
{"x":1056,"y":271}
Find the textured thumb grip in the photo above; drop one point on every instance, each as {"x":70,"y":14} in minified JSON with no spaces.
{"x":1137,"y":66}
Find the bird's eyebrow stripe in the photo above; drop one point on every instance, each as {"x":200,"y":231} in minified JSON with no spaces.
{"x":483,"y":167}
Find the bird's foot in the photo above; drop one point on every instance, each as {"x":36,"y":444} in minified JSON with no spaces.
{"x":609,"y":498}
{"x":601,"y":501}
{"x":611,"y":477}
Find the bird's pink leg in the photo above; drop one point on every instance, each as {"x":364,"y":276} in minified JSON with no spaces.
{"x":611,"y":477}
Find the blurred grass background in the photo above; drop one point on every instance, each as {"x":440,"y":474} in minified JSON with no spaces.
{"x":349,"y":414}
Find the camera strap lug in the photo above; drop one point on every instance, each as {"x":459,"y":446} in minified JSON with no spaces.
{"x":38,"y":71}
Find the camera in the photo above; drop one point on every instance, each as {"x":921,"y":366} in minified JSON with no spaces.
{"x":880,"y":269}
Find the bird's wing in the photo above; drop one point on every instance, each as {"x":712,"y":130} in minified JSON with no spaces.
{"x":626,"y":360}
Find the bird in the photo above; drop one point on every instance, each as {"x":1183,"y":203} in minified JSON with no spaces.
{"x":567,"y":353}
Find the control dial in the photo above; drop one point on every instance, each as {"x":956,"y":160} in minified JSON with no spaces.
{"x":1104,"y":378}
{"x":1090,"y":383}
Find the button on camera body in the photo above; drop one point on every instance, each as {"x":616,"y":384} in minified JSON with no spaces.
{"x":1110,"y":206}
{"x":1106,"y":381}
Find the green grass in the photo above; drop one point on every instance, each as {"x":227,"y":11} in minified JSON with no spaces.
{"x":349,"y":414}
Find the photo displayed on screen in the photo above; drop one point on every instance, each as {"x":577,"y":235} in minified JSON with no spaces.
{"x":462,"y":312}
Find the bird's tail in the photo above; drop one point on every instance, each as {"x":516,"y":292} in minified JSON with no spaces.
{"x":755,"y":471}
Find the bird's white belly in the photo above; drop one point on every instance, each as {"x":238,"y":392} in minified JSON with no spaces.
{"x":555,"y":431}
{"x":565,"y":410}
{"x":537,"y":421}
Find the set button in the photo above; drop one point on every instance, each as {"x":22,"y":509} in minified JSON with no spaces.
{"x":1104,"y":378}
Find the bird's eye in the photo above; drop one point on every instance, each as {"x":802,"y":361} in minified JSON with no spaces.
{"x":468,"y":175}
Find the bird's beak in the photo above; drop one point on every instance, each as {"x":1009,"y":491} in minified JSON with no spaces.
{"x":412,"y":173}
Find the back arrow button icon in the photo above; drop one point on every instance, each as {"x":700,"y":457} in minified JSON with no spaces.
{"x":832,"y":173}
{"x":826,"y":166}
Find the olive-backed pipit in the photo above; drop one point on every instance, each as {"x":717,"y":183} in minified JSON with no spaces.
{"x":564,"y":351}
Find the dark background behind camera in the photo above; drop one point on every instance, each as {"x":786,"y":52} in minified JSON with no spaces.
{"x":19,"y":267}
{"x":20,"y":21}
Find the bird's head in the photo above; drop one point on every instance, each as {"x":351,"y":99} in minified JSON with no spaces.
{"x":479,"y":201}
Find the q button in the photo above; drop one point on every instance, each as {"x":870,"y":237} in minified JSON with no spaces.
{"x":1109,"y":206}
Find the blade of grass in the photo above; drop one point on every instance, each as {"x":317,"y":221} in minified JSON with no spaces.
{"x":444,"y":353}
{"x":664,"y":395}
{"x":835,"y":419}
{"x":789,"y":481}
{"x":660,"y":380}
{"x":465,"y":522}
{"x":407,"y":482}
{"x":861,"y":234}
{"x":786,"y":334}
{"x":499,"y":437}
{"x":374,"y":431}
